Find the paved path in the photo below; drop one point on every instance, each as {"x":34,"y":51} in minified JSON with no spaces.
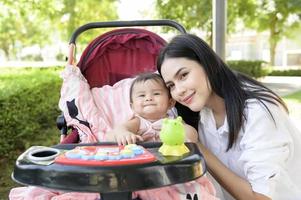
{"x":283,"y":85}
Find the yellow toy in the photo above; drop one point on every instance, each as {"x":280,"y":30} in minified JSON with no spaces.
{"x":172,"y":136}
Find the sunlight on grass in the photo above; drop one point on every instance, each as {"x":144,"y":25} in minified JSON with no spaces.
{"x":293,"y":102}
{"x":295,"y":97}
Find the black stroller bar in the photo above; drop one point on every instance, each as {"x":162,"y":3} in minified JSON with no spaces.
{"x":111,"y":24}
{"x":114,"y":24}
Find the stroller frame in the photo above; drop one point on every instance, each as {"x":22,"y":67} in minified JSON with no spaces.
{"x":112,"y":24}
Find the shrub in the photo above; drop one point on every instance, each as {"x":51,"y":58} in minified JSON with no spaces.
{"x":33,"y":57}
{"x":290,"y":72}
{"x":31,"y":108}
{"x":255,"y":69}
{"x":60,"y":56}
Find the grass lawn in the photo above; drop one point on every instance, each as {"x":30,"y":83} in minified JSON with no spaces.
{"x":294,"y":105}
{"x":294,"y":97}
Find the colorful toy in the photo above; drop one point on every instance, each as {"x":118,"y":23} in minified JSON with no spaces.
{"x":106,"y":155}
{"x":172,"y":135}
{"x":110,"y":178}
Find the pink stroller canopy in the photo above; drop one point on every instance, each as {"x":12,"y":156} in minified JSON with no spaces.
{"x":120,"y":54}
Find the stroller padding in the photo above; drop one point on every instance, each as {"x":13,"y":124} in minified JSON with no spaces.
{"x":120,"y":54}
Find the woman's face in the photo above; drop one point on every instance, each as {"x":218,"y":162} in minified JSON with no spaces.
{"x":187,"y":82}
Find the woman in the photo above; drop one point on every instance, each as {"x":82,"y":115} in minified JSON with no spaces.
{"x":251,"y":147}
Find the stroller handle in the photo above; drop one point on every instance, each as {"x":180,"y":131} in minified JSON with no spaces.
{"x":111,"y":24}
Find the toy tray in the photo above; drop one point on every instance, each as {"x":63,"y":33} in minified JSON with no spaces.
{"x":106,"y":156}
{"x":107,"y":179}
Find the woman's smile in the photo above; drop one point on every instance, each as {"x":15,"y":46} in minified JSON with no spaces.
{"x":188,"y":99}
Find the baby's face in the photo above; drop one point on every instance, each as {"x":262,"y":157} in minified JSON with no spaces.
{"x":150,"y":100}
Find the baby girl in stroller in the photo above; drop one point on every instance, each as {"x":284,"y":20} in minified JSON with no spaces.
{"x":95,"y":100}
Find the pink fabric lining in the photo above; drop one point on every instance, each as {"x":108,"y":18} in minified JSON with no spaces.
{"x":201,"y":187}
{"x":114,"y":101}
{"x":94,"y":106}
{"x":38,"y":193}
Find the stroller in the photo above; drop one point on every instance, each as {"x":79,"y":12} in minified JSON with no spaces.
{"x":114,"y":56}
{"x":107,"y":65}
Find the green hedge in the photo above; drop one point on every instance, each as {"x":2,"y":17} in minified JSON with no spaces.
{"x":290,"y":72}
{"x":254,"y":69}
{"x":28,"y":106}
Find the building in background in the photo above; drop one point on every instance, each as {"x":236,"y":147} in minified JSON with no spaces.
{"x":250,"y":45}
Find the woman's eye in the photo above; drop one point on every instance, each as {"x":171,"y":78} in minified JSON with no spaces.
{"x":182,"y":76}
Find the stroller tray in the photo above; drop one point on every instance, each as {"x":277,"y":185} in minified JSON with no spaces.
{"x":158,"y":171}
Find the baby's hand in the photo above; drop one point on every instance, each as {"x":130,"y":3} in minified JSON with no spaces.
{"x":126,"y":137}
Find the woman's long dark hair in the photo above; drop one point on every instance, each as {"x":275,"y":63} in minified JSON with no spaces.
{"x":235,"y":88}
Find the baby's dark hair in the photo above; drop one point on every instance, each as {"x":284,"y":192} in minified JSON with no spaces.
{"x":141,"y":78}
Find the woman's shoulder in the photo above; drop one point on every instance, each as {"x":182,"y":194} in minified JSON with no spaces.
{"x":268,"y":118}
{"x":263,"y":107}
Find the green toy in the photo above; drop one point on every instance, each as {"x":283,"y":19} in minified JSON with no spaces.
{"x":172,"y":136}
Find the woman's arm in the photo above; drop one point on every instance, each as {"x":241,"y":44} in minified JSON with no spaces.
{"x":191,"y":134}
{"x":125,"y":133}
{"x":235,"y":185}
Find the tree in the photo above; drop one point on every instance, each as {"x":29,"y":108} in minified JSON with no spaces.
{"x":190,"y":13}
{"x":40,"y":22}
{"x":22,"y":23}
{"x":77,"y":13}
{"x":198,"y":14}
{"x":279,"y":17}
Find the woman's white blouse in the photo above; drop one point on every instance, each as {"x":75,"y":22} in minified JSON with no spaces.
{"x":267,"y":152}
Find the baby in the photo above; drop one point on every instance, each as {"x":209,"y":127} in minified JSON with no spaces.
{"x":150,"y":100}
